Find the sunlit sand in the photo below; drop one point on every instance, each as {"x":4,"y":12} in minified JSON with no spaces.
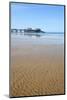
{"x":36,"y":69}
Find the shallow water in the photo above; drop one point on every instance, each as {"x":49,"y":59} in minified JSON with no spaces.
{"x":42,"y":38}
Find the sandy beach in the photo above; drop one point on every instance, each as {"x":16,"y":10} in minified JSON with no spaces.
{"x":37,"y":70}
{"x":37,"y":37}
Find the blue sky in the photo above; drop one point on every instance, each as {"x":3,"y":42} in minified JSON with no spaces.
{"x":47,"y":17}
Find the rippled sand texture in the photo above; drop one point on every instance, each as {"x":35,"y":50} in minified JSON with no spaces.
{"x":37,"y":70}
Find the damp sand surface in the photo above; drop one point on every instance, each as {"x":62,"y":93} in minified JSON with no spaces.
{"x":36,"y":69}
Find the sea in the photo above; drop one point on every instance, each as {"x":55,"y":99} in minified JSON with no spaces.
{"x":38,"y":38}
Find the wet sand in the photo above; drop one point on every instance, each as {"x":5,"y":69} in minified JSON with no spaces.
{"x":37,"y":70}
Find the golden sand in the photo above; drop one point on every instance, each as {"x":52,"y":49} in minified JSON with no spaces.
{"x":37,"y":70}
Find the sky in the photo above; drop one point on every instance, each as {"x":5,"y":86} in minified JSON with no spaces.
{"x":49,"y":18}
